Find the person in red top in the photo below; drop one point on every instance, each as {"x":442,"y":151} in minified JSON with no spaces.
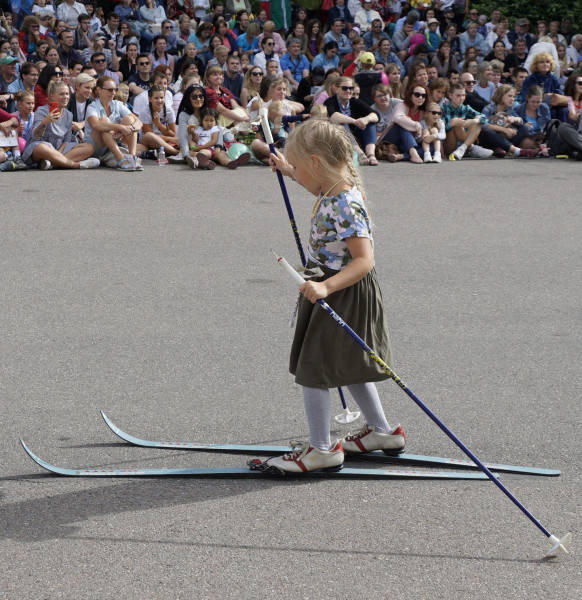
{"x":30,"y":34}
{"x":222,"y":99}
{"x":48,"y":74}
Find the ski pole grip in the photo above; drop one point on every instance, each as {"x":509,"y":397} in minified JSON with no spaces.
{"x":292,"y":272}
{"x":263,"y":114}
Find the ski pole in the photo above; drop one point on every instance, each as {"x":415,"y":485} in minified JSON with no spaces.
{"x":347,"y":416}
{"x":558,"y":545}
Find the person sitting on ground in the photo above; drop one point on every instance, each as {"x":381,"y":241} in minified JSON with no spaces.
{"x":506,"y":132}
{"x":328,"y":58}
{"x":463,"y":125}
{"x":279,"y":47}
{"x":185,"y":83}
{"x":10,"y":127}
{"x":357,"y":117}
{"x":472,"y":99}
{"x":443,"y":60}
{"x":483,"y":84}
{"x":294,"y":64}
{"x":52,"y":142}
{"x":250,"y":93}
{"x":315,"y":39}
{"x":534,"y":112}
{"x":47,"y":75}
{"x":222,"y":100}
{"x":328,"y":89}
{"x":541,"y":69}
{"x":109,"y":122}
{"x":384,"y":107}
{"x":79,"y":102}
{"x":433,"y":133}
{"x":573,"y":90}
{"x":205,"y":142}
{"x":189,"y":117}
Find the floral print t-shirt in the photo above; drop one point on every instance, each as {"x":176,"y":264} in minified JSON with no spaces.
{"x":338,"y":217}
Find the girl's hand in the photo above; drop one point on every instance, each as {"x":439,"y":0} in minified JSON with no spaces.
{"x":510,"y":132}
{"x":314,"y":290}
{"x":279,"y":162}
{"x":52,"y":116}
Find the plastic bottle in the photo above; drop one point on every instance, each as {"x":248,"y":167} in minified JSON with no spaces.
{"x":162,"y":160}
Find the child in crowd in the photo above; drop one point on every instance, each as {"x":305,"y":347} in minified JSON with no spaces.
{"x":433,"y":133}
{"x":25,"y":113}
{"x":341,"y":245}
{"x":122,"y":95}
{"x":205,"y":143}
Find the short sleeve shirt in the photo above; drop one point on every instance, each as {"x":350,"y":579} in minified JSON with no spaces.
{"x":222,"y":96}
{"x":338,"y":218}
{"x":96,"y":109}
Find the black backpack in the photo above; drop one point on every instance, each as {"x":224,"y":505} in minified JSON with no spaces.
{"x":557,"y":146}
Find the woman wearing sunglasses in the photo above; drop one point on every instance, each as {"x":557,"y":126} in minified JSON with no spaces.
{"x":48,"y":74}
{"x":189,"y":118}
{"x":267,"y":53}
{"x":406,"y":127}
{"x":250,"y":95}
{"x":356,"y":116}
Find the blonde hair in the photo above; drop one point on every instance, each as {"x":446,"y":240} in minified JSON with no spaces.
{"x":329,"y":82}
{"x":276,"y":109}
{"x":22,"y":94}
{"x":121,"y":87}
{"x":83,"y":78}
{"x":318,"y":110}
{"x":53,"y":85}
{"x":541,"y":56}
{"x":330,"y":143}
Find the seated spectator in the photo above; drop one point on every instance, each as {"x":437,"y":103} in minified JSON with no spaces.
{"x":189,"y":67}
{"x":52,"y":57}
{"x":108,"y":122}
{"x":99,"y":63}
{"x":279,"y":47}
{"x":294,"y":65}
{"x":534,"y":112}
{"x":234,"y":6}
{"x":401,"y":40}
{"x":384,"y":107}
{"x":185,"y":83}
{"x":52,"y":142}
{"x":463,"y":125}
{"x":222,"y":100}
{"x":160,"y":56}
{"x":432,"y":36}
{"x":483,"y":85}
{"x":418,"y":54}
{"x":227,"y":37}
{"x":189,"y":117}
{"x":190,"y":55}
{"x":233,"y":80}
{"x":159,"y":124}
{"x":358,"y":48}
{"x":65,"y":49}
{"x":24,"y":114}
{"x":82,"y":35}
{"x":506,"y":131}
{"x":298,"y":32}
{"x":472,"y":39}
{"x":328,"y":59}
{"x":393,"y":71}
{"x":357,"y":116}
{"x":48,"y":74}
{"x":365,"y":17}
{"x":499,"y":34}
{"x":518,"y":57}
{"x":451,"y":36}
{"x":79,"y":102}
{"x":267,"y":53}
{"x":541,"y":69}
{"x":574,"y":50}
{"x":30,"y":35}
{"x":433,"y":133}
{"x":309,"y":86}
{"x":443,"y":60}
{"x":573,"y":91}
{"x":69,"y":11}
{"x":385,"y":55}
{"x":518,"y":76}
{"x":544,"y":44}
{"x":335,"y":35}
{"x":249,"y":41}
{"x":472,"y":99}
{"x":519,"y":32}
{"x":29,"y":74}
{"x":439,"y":90}
{"x":128,"y":63}
{"x":499,"y":53}
{"x":126,"y":36}
{"x":202,"y":36}
{"x":139,"y":82}
{"x":10,"y":154}
{"x":368,"y":77}
{"x":406,"y":127}
{"x":315,"y":41}
{"x":339,"y":10}
{"x":241,"y":23}
{"x":40,"y":54}
{"x":329,"y":87}
{"x":250,"y":93}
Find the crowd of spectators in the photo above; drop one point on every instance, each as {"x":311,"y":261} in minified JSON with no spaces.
{"x":89,"y":84}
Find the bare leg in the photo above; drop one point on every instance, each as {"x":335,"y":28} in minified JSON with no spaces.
{"x":154,"y":141}
{"x":46,"y":152}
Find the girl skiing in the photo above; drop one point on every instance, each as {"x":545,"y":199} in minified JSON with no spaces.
{"x":318,"y":155}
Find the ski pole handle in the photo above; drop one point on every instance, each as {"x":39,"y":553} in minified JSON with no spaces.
{"x":292,"y":272}
{"x":263,"y":114}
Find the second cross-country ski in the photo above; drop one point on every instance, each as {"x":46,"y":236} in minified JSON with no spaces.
{"x":376,"y":456}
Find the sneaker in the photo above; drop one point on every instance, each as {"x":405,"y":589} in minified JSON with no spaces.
{"x":151,"y":154}
{"x":458,"y":153}
{"x":499,"y":153}
{"x":478,"y":152}
{"x":304,"y":458}
{"x":8,"y":165}
{"x":204,"y":162}
{"x":243,"y":159}
{"x":90,"y":163}
{"x":20,"y":164}
{"x":45,"y":165}
{"x":427,"y":157}
{"x":191,"y":162}
{"x":437,"y":157}
{"x":177,"y":159}
{"x":368,"y":439}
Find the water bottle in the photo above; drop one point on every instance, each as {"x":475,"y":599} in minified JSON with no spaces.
{"x":162,"y":160}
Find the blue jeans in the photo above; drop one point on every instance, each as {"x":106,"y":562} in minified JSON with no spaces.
{"x":365,"y":136}
{"x":402,"y":138}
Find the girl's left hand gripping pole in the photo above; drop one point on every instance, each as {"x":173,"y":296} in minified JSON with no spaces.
{"x":347,"y":416}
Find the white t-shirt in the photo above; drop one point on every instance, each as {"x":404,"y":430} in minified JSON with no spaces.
{"x":140,"y":102}
{"x":205,"y":135}
{"x":146,"y":118}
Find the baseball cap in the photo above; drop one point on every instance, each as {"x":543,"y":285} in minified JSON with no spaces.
{"x":368,"y":58}
{"x":521,"y":22}
{"x":7,"y":60}
{"x":431,"y":21}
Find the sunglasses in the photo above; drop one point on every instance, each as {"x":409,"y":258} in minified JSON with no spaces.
{"x":99,"y":60}
{"x":468,"y":82}
{"x":197,"y":96}
{"x":257,"y":74}
{"x":35,"y":26}
{"x":143,"y":64}
{"x":579,"y":83}
{"x":347,"y":88}
{"x":269,"y":44}
{"x":58,"y":74}
{"x":436,"y":113}
{"x":418,"y":95}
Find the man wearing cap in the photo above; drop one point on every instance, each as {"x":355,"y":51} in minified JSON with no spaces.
{"x":519,"y":32}
{"x":364,"y":17}
{"x":7,"y":77}
{"x":69,"y":11}
{"x":375,"y":35}
{"x":368,"y":77}
{"x":65,"y":48}
{"x":294,"y":64}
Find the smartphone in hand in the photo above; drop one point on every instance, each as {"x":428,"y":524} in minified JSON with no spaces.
{"x":53,"y":106}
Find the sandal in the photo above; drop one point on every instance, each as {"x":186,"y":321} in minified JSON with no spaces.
{"x":372,"y":160}
{"x":363,"y":160}
{"x":125,"y":165}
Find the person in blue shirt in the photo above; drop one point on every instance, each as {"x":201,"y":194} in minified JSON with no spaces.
{"x":328,"y":58}
{"x":294,"y":64}
{"x":335,"y":35}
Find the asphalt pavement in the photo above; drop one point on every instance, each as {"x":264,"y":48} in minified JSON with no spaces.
{"x":154,"y":296}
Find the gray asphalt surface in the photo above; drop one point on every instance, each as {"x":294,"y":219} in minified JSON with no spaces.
{"x":163,"y":306}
